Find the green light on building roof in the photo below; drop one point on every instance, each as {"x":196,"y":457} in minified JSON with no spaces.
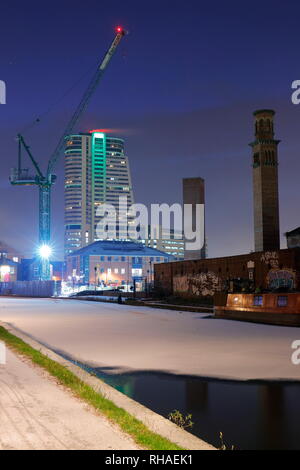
{"x":99,"y":135}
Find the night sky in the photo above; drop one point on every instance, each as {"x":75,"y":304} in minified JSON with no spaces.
{"x":181,"y":90}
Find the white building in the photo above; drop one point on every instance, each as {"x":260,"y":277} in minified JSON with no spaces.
{"x":96,"y":172}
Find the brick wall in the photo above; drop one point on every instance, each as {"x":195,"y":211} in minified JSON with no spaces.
{"x":204,"y":277}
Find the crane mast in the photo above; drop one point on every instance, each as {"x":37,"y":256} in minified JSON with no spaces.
{"x":20,"y":176}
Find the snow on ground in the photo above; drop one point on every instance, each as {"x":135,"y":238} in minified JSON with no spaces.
{"x":37,"y":414}
{"x":125,"y":337}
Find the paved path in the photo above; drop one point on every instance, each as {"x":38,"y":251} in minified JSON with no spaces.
{"x":37,"y":413}
{"x":122,"y":337}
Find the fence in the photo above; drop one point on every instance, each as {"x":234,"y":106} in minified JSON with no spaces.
{"x":31,"y":288}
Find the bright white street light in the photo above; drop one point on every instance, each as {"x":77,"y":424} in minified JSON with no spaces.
{"x":45,"y":251}
{"x":4,"y":269}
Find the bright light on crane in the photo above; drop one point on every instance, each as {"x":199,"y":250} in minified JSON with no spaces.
{"x":119,"y":29}
{"x":45,"y":251}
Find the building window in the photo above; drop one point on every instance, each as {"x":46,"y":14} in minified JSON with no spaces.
{"x":116,"y":270}
{"x":137,"y":272}
{"x":122,"y":270}
{"x":282,"y":301}
{"x":258,"y":300}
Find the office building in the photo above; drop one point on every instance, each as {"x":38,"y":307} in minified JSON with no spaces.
{"x":114,"y":263}
{"x":170,"y":242}
{"x":96,"y":172}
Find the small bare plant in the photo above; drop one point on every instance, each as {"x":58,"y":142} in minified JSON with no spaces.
{"x":223,"y":445}
{"x":183,"y":422}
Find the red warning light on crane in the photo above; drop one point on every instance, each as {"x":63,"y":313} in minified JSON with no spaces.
{"x":119,"y":29}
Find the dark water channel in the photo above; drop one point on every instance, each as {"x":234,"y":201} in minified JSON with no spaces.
{"x":251,"y":415}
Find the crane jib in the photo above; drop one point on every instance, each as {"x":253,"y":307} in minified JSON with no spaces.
{"x":110,"y":52}
{"x":84,"y":101}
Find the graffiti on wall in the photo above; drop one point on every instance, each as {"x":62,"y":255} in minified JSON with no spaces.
{"x":277,"y":278}
{"x":271,"y":258}
{"x":201,"y":284}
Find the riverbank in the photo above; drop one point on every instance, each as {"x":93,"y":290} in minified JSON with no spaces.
{"x":148,"y":430}
{"x":38,"y":414}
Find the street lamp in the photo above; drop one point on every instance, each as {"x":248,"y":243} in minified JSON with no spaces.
{"x":4,"y":272}
{"x":95,"y":268}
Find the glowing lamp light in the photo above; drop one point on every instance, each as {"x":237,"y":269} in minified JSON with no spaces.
{"x":4,"y":270}
{"x":119,"y":29}
{"x":45,"y":251}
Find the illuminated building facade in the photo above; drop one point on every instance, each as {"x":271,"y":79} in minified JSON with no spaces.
{"x":96,"y":172}
{"x":170,"y":242}
{"x":114,"y":263}
{"x":9,"y":263}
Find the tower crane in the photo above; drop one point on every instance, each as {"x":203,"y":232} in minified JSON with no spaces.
{"x":44,"y":181}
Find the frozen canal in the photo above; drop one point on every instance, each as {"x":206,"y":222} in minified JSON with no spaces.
{"x":172,"y":360}
{"x":125,"y":338}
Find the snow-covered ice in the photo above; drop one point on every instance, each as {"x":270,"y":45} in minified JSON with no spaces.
{"x":124,"y":338}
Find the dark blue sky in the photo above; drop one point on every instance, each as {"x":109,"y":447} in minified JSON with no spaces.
{"x":182,"y":88}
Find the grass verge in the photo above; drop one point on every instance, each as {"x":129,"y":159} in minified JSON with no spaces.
{"x":129,"y":424}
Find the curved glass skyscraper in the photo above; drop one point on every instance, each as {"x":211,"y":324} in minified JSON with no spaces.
{"x":96,"y":172}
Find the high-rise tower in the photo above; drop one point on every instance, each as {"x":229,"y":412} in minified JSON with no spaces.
{"x":265,"y":183}
{"x":96,"y":172}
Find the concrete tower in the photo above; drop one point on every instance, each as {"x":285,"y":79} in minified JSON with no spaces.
{"x":193,"y":190}
{"x":265,"y":183}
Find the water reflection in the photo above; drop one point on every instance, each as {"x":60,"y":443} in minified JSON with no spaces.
{"x":273,"y":414}
{"x":196,"y":395}
{"x":264,"y":415}
{"x":250,"y":415}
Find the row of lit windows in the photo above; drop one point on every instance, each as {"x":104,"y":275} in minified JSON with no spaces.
{"x":134,"y":259}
